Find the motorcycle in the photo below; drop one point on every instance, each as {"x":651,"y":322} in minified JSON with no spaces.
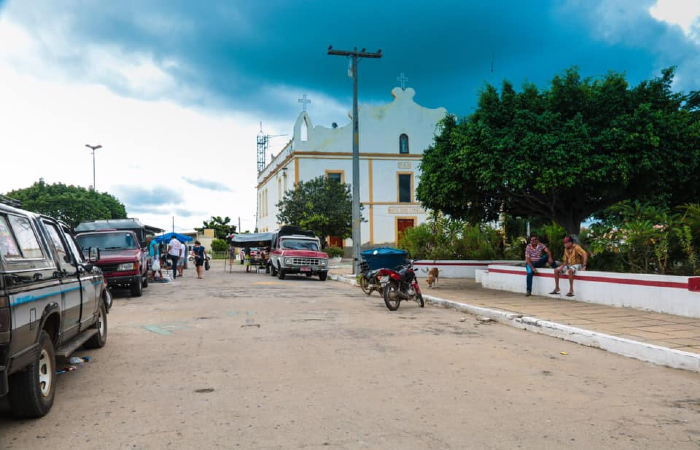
{"x":401,"y":284}
{"x":370,"y":280}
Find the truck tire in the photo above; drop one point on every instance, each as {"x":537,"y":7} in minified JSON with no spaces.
{"x":100,"y":339}
{"x":137,"y":287}
{"x":280,"y":273}
{"x":32,"y":391}
{"x":322,"y":276}
{"x":273,"y":271}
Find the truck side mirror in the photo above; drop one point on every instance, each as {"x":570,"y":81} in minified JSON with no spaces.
{"x":94,"y":254}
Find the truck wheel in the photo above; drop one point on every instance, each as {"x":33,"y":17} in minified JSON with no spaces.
{"x":100,"y":339}
{"x":322,"y":276}
{"x":280,"y":273}
{"x":273,"y":271}
{"x":137,"y":287}
{"x":107,"y":298}
{"x":145,"y":280}
{"x":32,"y":390}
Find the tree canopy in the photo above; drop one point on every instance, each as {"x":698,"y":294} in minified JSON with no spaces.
{"x":567,"y":152}
{"x":320,"y":205}
{"x":221,"y":227}
{"x":71,"y":204}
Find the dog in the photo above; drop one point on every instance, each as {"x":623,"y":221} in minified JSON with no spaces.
{"x":433,"y":275}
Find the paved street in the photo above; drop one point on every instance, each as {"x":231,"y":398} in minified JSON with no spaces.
{"x":248,"y":361}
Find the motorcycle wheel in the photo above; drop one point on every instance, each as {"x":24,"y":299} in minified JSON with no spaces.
{"x":364,"y":284}
{"x":420,"y":300}
{"x":391,"y":296}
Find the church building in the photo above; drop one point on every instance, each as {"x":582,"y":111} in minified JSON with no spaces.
{"x":392,"y":140}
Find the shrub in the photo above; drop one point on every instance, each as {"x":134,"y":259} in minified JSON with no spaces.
{"x":334,"y":252}
{"x":219,"y":245}
{"x":452,"y":239}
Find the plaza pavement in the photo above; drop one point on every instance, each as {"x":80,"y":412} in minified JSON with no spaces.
{"x":650,"y":336}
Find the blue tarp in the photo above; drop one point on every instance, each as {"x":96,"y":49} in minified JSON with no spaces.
{"x":384,"y":257}
{"x":168,"y":236}
{"x":251,"y":239}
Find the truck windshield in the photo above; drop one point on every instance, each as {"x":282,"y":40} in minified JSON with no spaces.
{"x":107,"y":241}
{"x":299,"y":244}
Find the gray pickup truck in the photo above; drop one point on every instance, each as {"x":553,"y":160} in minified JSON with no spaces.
{"x":52,"y":301}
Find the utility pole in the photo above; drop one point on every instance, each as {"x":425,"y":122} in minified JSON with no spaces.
{"x":355,"y":149}
{"x":239,"y":224}
{"x":93,"y":148}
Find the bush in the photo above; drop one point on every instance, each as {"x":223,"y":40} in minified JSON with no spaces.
{"x":219,"y":245}
{"x":452,"y":239}
{"x":334,"y":252}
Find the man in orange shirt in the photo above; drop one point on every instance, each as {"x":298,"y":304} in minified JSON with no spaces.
{"x":575,"y":259}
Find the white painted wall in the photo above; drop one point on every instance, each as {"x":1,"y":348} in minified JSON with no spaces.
{"x":456,"y":268}
{"x":660,"y":293}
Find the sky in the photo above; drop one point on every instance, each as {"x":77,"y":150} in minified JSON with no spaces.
{"x":175,"y":90}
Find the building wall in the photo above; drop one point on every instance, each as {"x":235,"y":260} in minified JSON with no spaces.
{"x":330,"y":150}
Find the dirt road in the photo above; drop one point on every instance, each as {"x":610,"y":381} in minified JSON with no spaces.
{"x":248,"y":361}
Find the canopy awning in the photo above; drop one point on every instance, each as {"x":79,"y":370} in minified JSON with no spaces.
{"x":168,"y":236}
{"x":251,"y":239}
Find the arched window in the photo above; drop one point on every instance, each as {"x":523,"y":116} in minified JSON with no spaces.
{"x":403,"y":144}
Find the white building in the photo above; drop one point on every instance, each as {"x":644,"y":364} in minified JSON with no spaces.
{"x":392,"y":140}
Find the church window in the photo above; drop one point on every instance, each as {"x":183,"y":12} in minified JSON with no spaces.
{"x":403,"y":144}
{"x":335,"y":175}
{"x":304,"y":132}
{"x":405,"y":188}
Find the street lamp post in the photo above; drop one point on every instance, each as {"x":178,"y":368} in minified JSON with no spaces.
{"x":93,"y":148}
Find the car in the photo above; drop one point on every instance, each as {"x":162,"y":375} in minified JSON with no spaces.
{"x":52,"y":302}
{"x":123,"y":261}
{"x":297,"y":251}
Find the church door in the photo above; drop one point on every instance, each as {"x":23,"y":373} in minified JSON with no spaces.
{"x":401,"y":226}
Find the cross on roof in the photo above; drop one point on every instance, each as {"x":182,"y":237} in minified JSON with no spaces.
{"x":304,"y":101}
{"x":402,"y":79}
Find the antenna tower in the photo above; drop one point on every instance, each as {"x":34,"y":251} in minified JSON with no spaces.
{"x":262,"y":149}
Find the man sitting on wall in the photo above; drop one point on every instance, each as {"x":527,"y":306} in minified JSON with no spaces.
{"x":575,"y":259}
{"x":536,"y":255}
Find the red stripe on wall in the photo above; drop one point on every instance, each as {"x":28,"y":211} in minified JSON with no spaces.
{"x":594,"y":279}
{"x":478,"y":264}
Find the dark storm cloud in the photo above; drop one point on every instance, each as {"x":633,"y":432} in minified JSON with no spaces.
{"x":210,"y":185}
{"x":233,"y":54}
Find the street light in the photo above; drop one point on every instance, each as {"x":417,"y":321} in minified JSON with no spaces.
{"x":93,"y":148}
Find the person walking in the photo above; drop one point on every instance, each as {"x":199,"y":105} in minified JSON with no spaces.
{"x":174,"y":248}
{"x":575,"y":259}
{"x":200,"y":255}
{"x":536,"y":255}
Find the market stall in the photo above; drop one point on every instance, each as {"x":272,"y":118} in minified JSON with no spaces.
{"x":256,"y":249}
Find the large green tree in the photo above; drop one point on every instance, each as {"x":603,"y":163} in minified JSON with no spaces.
{"x":320,"y":205}
{"x":566,"y":152}
{"x":71,"y":204}
{"x":222,"y":226}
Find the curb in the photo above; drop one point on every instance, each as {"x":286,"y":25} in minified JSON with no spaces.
{"x":633,"y":349}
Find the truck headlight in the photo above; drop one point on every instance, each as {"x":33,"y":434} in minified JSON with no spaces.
{"x":127,"y":266}
{"x":288,"y":261}
{"x":323,"y":262}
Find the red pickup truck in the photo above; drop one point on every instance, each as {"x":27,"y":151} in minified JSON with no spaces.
{"x":122,"y":260}
{"x":295,"y":251}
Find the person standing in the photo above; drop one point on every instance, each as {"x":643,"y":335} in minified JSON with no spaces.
{"x":200,"y":255}
{"x":174,"y":248}
{"x":575,"y":259}
{"x":181,"y":260}
{"x":154,"y":254}
{"x":536,"y":255}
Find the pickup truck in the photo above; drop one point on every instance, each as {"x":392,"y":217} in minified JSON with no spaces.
{"x":52,"y":301}
{"x":295,"y":251}
{"x":123,"y":261}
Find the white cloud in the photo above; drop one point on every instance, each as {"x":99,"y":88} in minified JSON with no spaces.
{"x":684,"y":13}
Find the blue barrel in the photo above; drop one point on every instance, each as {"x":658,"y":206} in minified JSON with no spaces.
{"x":385,"y":257}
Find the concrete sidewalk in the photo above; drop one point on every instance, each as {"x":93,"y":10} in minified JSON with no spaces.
{"x":663,"y":339}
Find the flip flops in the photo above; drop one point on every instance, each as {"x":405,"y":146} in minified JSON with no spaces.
{"x":569,"y":294}
{"x":555,"y":292}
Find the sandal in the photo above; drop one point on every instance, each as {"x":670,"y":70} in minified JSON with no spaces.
{"x":569,"y":294}
{"x":554,"y":292}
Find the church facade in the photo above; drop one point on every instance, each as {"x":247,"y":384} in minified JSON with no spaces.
{"x":392,"y":140}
